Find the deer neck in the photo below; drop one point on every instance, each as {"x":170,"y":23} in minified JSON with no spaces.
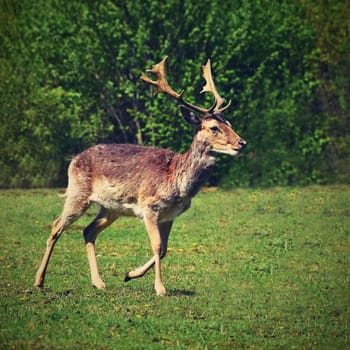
{"x":192,"y":169}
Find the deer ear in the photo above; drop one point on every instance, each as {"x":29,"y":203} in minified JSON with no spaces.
{"x":189,"y":116}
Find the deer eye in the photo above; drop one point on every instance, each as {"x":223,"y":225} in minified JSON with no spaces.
{"x":214,"y":129}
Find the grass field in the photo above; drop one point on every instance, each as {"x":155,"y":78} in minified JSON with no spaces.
{"x":246,"y":269}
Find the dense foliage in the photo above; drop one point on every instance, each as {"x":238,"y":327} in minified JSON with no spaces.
{"x":69,"y":78}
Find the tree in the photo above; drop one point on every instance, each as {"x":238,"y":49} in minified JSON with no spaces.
{"x":69,"y":78}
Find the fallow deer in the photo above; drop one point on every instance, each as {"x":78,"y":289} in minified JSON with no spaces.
{"x":153,"y":184}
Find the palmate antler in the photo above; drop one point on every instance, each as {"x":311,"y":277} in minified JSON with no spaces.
{"x":210,"y":87}
{"x":163,"y":86}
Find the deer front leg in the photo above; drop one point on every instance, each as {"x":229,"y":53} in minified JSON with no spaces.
{"x":156,"y":242}
{"x":164,"y":229}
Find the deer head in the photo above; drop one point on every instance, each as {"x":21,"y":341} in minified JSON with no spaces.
{"x":211,"y":125}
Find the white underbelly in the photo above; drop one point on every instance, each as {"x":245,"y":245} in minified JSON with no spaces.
{"x":122,"y":208}
{"x":165,"y":210}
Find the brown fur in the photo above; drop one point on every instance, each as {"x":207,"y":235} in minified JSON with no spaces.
{"x":153,"y":184}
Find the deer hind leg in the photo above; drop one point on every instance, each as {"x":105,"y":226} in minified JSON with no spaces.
{"x":102,"y":220}
{"x":163,"y":233}
{"x":74,"y":207}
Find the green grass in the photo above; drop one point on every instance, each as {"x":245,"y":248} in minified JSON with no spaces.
{"x":247,"y":269}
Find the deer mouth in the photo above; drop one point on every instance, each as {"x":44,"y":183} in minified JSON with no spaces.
{"x":231,"y":152}
{"x":237,"y":151}
{"x":242,"y":146}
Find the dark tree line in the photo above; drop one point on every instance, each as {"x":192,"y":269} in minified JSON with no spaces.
{"x":69,"y":78}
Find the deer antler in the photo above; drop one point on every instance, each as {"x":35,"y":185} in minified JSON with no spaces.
{"x":161,"y":83}
{"x":210,"y":87}
{"x":162,"y":86}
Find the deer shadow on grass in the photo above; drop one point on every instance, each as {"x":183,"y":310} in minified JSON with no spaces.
{"x":181,"y":293}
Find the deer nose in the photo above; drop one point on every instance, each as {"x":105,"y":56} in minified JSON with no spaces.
{"x":242,"y":143}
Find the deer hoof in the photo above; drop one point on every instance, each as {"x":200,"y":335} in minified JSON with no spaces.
{"x":99,"y":285}
{"x":127,"y":277}
{"x":160,"y":291}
